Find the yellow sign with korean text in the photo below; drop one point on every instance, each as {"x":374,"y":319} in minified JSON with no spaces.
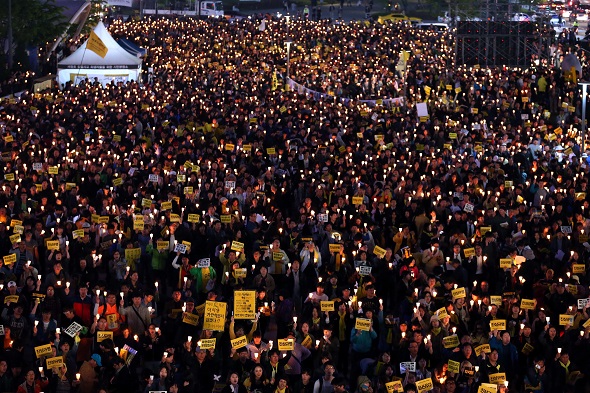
{"x":214,"y":316}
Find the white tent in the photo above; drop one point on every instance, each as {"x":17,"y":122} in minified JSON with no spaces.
{"x":117,"y":65}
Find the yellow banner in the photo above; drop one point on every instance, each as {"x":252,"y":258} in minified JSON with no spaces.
{"x":207,"y":343}
{"x":485,"y":348}
{"x":498,"y":324}
{"x":451,"y":341}
{"x":528,"y":304}
{"x":286,"y":344}
{"x":454,"y":367}
{"x":424,"y":385}
{"x":459,"y":293}
{"x":103,"y":335}
{"x":191,"y":319}
{"x":9,"y":259}
{"x":497,"y":378}
{"x":239,"y":342}
{"x":214,"y":316}
{"x":363,"y":324}
{"x":43,"y":350}
{"x":245,"y":304}
{"x":54,"y":362}
{"x":96,"y":45}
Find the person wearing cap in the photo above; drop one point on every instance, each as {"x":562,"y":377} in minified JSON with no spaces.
{"x":137,"y":315}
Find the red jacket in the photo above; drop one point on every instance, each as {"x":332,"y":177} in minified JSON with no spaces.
{"x":39,"y":386}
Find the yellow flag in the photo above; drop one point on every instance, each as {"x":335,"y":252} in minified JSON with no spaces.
{"x":96,"y":45}
{"x":275,"y":82}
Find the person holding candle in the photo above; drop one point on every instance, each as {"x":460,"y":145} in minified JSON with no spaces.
{"x":32,"y":383}
{"x":137,"y":315}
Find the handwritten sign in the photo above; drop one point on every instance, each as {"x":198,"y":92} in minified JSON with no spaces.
{"x":57,"y":361}
{"x":239,"y":342}
{"x":214,"y":316}
{"x":565,"y":319}
{"x":191,"y":319}
{"x":459,"y":293}
{"x":498,"y":324}
{"x":286,"y":344}
{"x":363,"y":324}
{"x":424,"y":385}
{"x":245,"y":304}
{"x":454,"y":367}
{"x":451,"y":341}
{"x":207,"y":343}
{"x":379,"y":252}
{"x":578,"y":268}
{"x":528,"y":304}
{"x":497,"y":378}
{"x":43,"y":350}
{"x":9,"y":259}
{"x":485,"y":348}
{"x":103,"y":335}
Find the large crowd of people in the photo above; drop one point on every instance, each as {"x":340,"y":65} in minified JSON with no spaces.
{"x":388,"y":225}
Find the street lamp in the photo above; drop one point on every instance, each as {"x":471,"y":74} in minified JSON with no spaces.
{"x":584,"y":94}
{"x":288,"y":43}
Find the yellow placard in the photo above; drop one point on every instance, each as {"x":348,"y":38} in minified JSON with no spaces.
{"x":394,"y":386}
{"x":565,"y":319}
{"x":469,"y":252}
{"x":277,"y":256}
{"x":19,"y":229}
{"x":14,"y":222}
{"x":57,"y":361}
{"x":53,"y":245}
{"x":174,"y":217}
{"x":485,"y":348}
{"x":165,"y":206}
{"x":207,"y":343}
{"x":162,"y":245}
{"x":379,"y":252}
{"x":495,"y":299}
{"x":451,"y":341}
{"x":286,"y":344}
{"x":214,"y":316}
{"x":357,"y":200}
{"x":327,"y":305}
{"x":459,"y":293}
{"x":14,"y":239}
{"x":454,"y":367}
{"x":103,"y":335}
{"x":498,"y":324}
{"x":238,"y":342}
{"x":497,"y":378}
{"x":78,"y":233}
{"x":188,"y":190}
{"x":424,"y":385}
{"x":138,"y":225}
{"x":334,"y":247}
{"x":117,"y":181}
{"x":363,"y":324}
{"x":578,"y":268}
{"x":132,"y":254}
{"x":191,"y":319}
{"x":487,"y":388}
{"x":528,"y":304}
{"x":225,"y":218}
{"x":484,"y":230}
{"x":9,"y":259}
{"x":527,"y":349}
{"x":11,"y":299}
{"x":505,"y":263}
{"x":245,"y":304}
{"x":53,"y":170}
{"x":9,"y":176}
{"x":237,"y":246}
{"x":43,"y":350}
{"x":193,"y":218}
{"x":271,"y":150}
{"x":104,"y":219}
{"x":240,"y":273}
{"x":94,"y":218}
{"x":442,"y":313}
{"x":146,"y":202}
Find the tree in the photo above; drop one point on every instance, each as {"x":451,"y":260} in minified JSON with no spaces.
{"x":34,"y":23}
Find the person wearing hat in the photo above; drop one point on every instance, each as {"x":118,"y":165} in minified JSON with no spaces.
{"x":137,"y":315}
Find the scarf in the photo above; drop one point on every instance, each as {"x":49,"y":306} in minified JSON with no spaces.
{"x":566,"y":366}
{"x":436,"y":331}
{"x":341,"y":325}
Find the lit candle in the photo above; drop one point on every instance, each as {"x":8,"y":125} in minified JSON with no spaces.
{"x":190,"y":338}
{"x":77,"y":376}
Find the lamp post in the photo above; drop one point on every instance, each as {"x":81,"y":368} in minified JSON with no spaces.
{"x":288,"y":43}
{"x":584,"y":97}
